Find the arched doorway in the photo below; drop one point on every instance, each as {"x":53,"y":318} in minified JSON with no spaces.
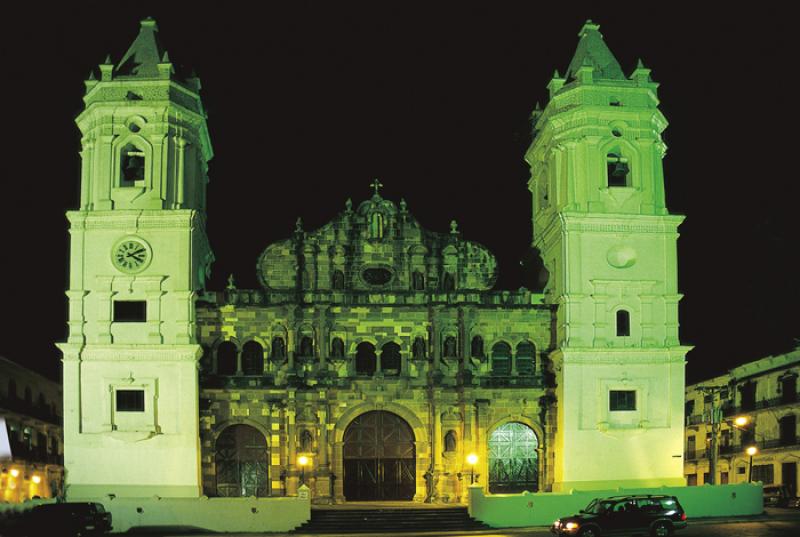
{"x":379,"y":458}
{"x":241,"y":462}
{"x":513,"y":459}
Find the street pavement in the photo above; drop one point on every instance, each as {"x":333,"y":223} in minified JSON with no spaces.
{"x":774,"y":523}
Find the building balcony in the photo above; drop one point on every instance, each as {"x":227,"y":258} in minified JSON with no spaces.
{"x":696,"y":454}
{"x":783,"y":400}
{"x":34,"y":454}
{"x":696,"y":419}
{"x":21,"y":406}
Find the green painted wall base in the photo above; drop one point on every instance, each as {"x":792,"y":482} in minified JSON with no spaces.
{"x":77,"y":493}
{"x":542,"y":508}
{"x":567,"y":486}
{"x":250,"y":515}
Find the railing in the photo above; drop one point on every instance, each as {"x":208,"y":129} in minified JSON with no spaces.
{"x":694,"y":454}
{"x":774,"y":443}
{"x":697,"y":419}
{"x":256,"y":297}
{"x":20,"y":406}
{"x":511,"y":381}
{"x":729,"y":410}
{"x":34,"y":454}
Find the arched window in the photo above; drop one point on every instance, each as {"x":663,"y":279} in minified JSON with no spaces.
{"x":226,"y":358}
{"x":365,"y":359}
{"x":28,"y":396}
{"x":623,"y":323}
{"x":306,"y":347}
{"x":278,"y":349}
{"x":376,"y":226}
{"x":449,"y":347}
{"x":449,"y":282}
{"x":501,"y":358}
{"x":252,"y":358}
{"x":337,"y":348}
{"x":450,"y":441}
{"x":526,"y":358}
{"x":12,"y":389}
{"x":418,"y":348}
{"x":390,"y":359}
{"x":306,"y":441}
{"x":131,"y":166}
{"x":417,"y":281}
{"x":618,"y":170}
{"x":337,"y":280}
{"x":477,"y":347}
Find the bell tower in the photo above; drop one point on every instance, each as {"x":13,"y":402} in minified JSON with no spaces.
{"x":138,"y":257}
{"x":609,"y":243}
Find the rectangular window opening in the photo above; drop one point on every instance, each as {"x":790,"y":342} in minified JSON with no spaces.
{"x":130,"y":311}
{"x":130,"y":400}
{"x":622,"y":400}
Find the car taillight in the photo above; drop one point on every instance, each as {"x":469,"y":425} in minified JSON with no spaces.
{"x":683,"y":517}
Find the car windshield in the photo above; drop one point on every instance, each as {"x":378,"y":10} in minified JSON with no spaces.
{"x":598,"y":506}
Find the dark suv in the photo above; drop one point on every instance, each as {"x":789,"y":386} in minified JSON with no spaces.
{"x":658,"y":516}
{"x":78,"y":518}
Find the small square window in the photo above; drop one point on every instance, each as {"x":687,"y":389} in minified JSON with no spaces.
{"x":622,"y":400}
{"x":130,"y":400}
{"x":130,"y":311}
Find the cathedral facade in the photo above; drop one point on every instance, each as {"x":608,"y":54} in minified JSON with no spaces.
{"x":375,"y":361}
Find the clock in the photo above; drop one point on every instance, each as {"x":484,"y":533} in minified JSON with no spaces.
{"x":131,"y":255}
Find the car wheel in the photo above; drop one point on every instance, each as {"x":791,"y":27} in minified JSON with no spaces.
{"x":589,"y":532}
{"x":661,"y":529}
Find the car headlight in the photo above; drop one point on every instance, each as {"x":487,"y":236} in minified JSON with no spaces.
{"x":571,"y":526}
{"x":557,"y":523}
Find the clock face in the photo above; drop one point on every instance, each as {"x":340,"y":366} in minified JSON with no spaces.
{"x":131,"y":255}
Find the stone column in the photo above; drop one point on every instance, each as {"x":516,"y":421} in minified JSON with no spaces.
{"x":435,"y":349}
{"x":291,"y":441}
{"x":323,"y":471}
{"x":338,"y":470}
{"x":482,"y":441}
{"x":468,"y":446}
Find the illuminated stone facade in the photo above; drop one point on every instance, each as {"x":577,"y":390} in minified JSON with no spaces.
{"x":31,"y":407}
{"x":764,"y":392}
{"x":448,"y":372}
{"x":375,"y":348}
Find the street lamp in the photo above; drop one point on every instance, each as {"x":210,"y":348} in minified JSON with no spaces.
{"x":752,"y":450}
{"x":741,"y":421}
{"x":472,"y":459}
{"x":302,"y":460}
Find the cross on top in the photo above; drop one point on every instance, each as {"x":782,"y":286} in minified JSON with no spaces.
{"x":376,"y":185}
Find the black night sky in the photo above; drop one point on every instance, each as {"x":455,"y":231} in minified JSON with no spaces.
{"x":308,"y":102}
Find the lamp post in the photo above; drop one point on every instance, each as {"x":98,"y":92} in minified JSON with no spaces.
{"x":472,"y":459}
{"x":752,"y":450}
{"x":302,"y":460}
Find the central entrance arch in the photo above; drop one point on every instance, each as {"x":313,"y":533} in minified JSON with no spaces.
{"x":379,"y":458}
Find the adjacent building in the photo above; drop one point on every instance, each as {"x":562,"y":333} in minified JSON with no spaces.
{"x":763,"y":396}
{"x":31,"y":407}
{"x":376,"y":354}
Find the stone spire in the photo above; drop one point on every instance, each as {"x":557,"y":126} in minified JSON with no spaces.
{"x":593,"y":51}
{"x":144,"y":55}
